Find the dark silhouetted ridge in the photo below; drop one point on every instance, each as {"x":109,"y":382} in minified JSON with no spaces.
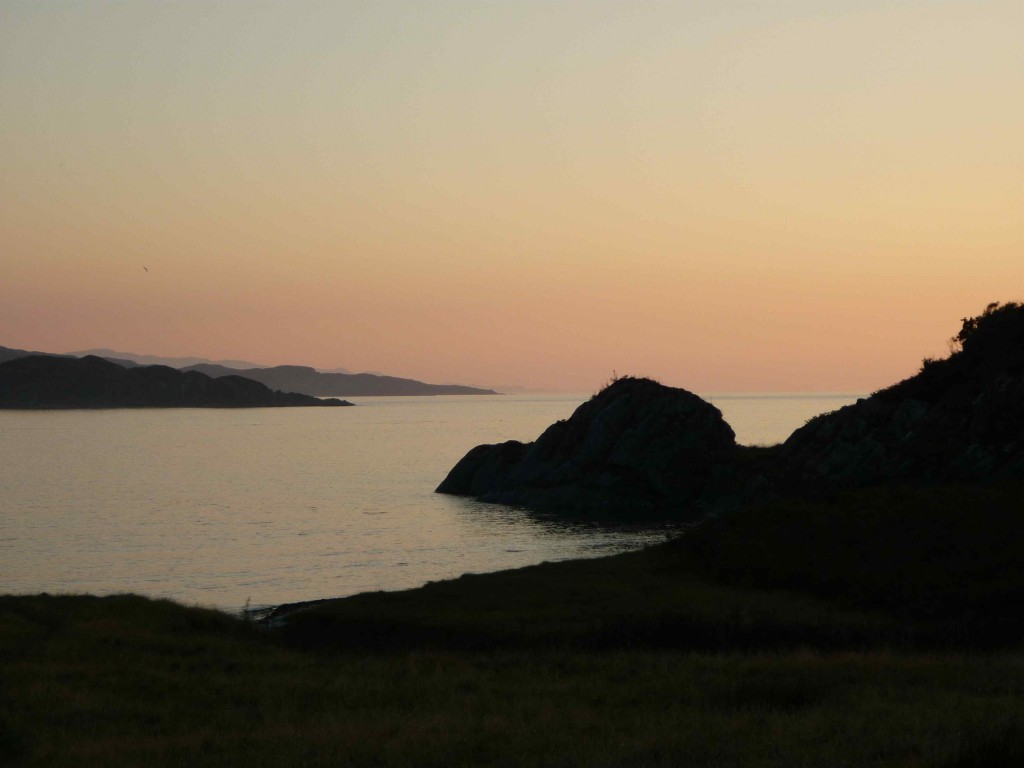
{"x":91,"y":382}
{"x":958,"y":419}
{"x":309,"y":381}
{"x":7,"y":353}
{"x":285,"y":378}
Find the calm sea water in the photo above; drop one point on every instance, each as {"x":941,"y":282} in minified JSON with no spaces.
{"x":221,"y":507}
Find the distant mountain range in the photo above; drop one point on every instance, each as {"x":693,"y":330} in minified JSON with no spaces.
{"x":309,"y":381}
{"x":286,"y":378}
{"x":51,"y":381}
{"x":6,"y":353}
{"x":173,"y":362}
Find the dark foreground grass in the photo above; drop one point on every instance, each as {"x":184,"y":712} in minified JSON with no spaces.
{"x":127,"y":681}
{"x":881,"y":628}
{"x":930,"y":568}
{"x":635,"y":600}
{"x":948,"y":561}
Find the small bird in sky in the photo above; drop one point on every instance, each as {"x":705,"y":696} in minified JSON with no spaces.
{"x":146,"y":268}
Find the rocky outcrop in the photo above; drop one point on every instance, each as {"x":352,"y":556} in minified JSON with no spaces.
{"x":640,"y":446}
{"x":637,"y":447}
{"x":91,"y":382}
{"x":959,"y":419}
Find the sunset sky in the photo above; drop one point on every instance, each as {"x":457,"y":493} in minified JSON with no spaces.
{"x":726,"y":196}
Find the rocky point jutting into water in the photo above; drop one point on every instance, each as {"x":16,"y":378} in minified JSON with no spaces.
{"x":636,"y":447}
{"x":309,"y":381}
{"x":300,"y":379}
{"x":639,"y":447}
{"x":91,"y":382}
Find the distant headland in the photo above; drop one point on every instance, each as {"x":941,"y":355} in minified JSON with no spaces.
{"x":309,"y":381}
{"x":304,"y":380}
{"x":131,"y":359}
{"x":52,"y":382}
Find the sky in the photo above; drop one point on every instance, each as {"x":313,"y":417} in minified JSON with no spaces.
{"x":728,"y":196}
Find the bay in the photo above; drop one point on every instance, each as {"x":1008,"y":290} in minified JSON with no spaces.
{"x":265,"y":506}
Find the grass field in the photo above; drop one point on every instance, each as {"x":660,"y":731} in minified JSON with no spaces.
{"x":127,"y":681}
{"x":779,"y":638}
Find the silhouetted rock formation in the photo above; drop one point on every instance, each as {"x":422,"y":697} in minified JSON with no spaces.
{"x":640,"y":446}
{"x":309,"y":381}
{"x":637,"y":447}
{"x":961,"y":418}
{"x":91,"y":382}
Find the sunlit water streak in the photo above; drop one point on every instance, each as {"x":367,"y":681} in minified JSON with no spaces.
{"x":218,"y":507}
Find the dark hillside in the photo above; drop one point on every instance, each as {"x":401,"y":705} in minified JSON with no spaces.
{"x":961,"y":418}
{"x":91,"y":382}
{"x":309,"y":381}
{"x":7,"y":353}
